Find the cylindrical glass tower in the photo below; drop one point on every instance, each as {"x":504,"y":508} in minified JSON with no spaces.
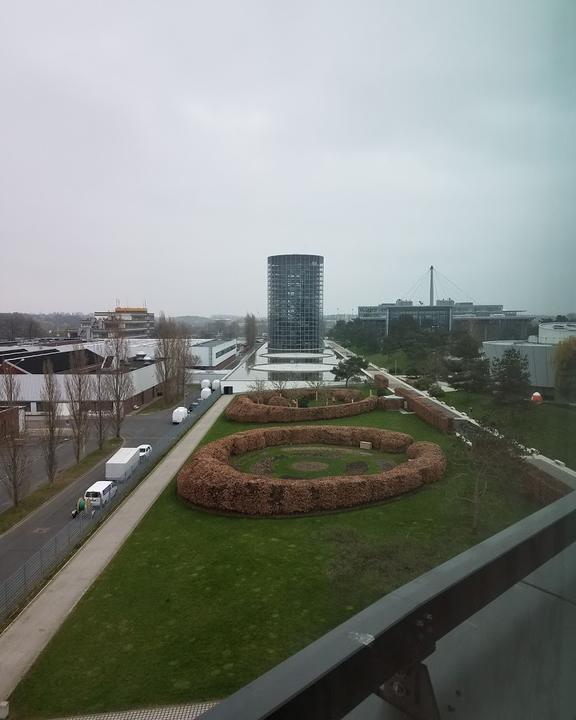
{"x":295,"y":303}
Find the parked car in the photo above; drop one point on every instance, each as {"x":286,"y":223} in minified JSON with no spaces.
{"x":194,"y":404}
{"x":144,"y":451}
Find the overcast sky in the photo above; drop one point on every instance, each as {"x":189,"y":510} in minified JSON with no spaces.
{"x":159,"y":151}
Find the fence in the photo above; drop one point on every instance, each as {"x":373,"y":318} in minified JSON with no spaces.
{"x":16,"y":588}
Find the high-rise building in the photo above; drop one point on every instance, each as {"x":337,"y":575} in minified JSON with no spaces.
{"x":295,"y":303}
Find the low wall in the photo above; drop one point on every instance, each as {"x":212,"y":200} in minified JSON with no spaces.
{"x":210,"y":482}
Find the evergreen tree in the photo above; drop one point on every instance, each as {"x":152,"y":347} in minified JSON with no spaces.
{"x":511,"y":377}
{"x":565,"y":362}
{"x":349,"y":368}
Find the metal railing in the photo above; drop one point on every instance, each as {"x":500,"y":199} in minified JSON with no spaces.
{"x":378,"y":654}
{"x":18,"y":587}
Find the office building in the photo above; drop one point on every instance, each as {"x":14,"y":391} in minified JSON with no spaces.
{"x":387,"y":315}
{"x":131,"y":322}
{"x":295,"y":303}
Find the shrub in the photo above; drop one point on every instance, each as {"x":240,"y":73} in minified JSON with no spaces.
{"x":244,"y":409}
{"x":436,"y":391}
{"x":429,"y":410}
{"x":209,"y":481}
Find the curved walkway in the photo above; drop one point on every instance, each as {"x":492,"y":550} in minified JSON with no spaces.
{"x":29,"y":633}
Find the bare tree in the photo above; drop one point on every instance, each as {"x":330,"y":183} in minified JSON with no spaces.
{"x":118,"y":380}
{"x":51,"y":399}
{"x":183,"y":360}
{"x":170,"y":359}
{"x":258,"y":387}
{"x":318,"y":386}
{"x":78,"y":384}
{"x":279,"y":384}
{"x":14,"y":459}
{"x":250,"y":330}
{"x":174,"y":358}
{"x":103,"y":406}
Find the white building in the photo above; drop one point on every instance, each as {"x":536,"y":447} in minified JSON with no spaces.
{"x":539,"y":352}
{"x":213,"y":354}
{"x":555,"y":332}
{"x":28,"y":362}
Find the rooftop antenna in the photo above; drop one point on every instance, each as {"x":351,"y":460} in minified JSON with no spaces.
{"x":431,"y":285}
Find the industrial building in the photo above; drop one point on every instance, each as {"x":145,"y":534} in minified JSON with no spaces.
{"x":386,"y":315}
{"x":539,"y":352}
{"x":130,"y":322}
{"x":540,"y":359}
{"x":556,"y":332}
{"x":213,"y":354}
{"x":494,"y":327}
{"x":28,"y":363}
{"x":295,"y":303}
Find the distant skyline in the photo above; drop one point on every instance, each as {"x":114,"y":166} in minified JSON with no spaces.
{"x":160,"y":152}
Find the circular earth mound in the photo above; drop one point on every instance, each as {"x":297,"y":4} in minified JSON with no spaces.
{"x":209,"y":480}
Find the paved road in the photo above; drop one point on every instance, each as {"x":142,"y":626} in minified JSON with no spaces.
{"x":29,"y":633}
{"x":22,"y":541}
{"x":36,"y":470}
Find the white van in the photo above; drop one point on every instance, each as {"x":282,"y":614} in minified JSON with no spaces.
{"x":100,"y":493}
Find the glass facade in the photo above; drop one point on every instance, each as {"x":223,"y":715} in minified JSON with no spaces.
{"x":295,"y":303}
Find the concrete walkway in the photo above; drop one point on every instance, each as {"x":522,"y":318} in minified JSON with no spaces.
{"x":29,"y":633}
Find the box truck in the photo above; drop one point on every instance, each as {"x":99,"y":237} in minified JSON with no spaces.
{"x":179,"y":414}
{"x":122,"y":464}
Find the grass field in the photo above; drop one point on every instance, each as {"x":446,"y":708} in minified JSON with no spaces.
{"x":395,"y":362}
{"x":31,"y":502}
{"x":305,"y":462}
{"x":195,"y":605}
{"x":549,"y":428}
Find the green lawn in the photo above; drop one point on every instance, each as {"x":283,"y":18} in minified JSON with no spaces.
{"x":549,"y":428}
{"x":32,"y":502}
{"x":196,"y":605}
{"x":286,"y":462}
{"x":394,"y":361}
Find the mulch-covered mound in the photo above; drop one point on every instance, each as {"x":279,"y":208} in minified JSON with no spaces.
{"x":209,"y":481}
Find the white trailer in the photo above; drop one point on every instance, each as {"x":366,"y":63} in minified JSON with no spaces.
{"x":122,"y":464}
{"x":179,"y":414}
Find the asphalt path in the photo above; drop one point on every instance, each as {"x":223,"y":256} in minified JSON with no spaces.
{"x":20,"y":542}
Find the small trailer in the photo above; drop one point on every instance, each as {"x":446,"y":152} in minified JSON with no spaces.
{"x":178,"y":415}
{"x":122,"y":464}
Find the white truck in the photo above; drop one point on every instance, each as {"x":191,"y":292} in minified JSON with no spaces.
{"x":122,"y":464}
{"x":179,"y":414}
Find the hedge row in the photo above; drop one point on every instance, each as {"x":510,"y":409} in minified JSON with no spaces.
{"x":210,"y":482}
{"x":541,"y":487}
{"x":244,"y":409}
{"x":427,"y":409}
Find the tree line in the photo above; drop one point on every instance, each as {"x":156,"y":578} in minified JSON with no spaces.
{"x":95,"y":396}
